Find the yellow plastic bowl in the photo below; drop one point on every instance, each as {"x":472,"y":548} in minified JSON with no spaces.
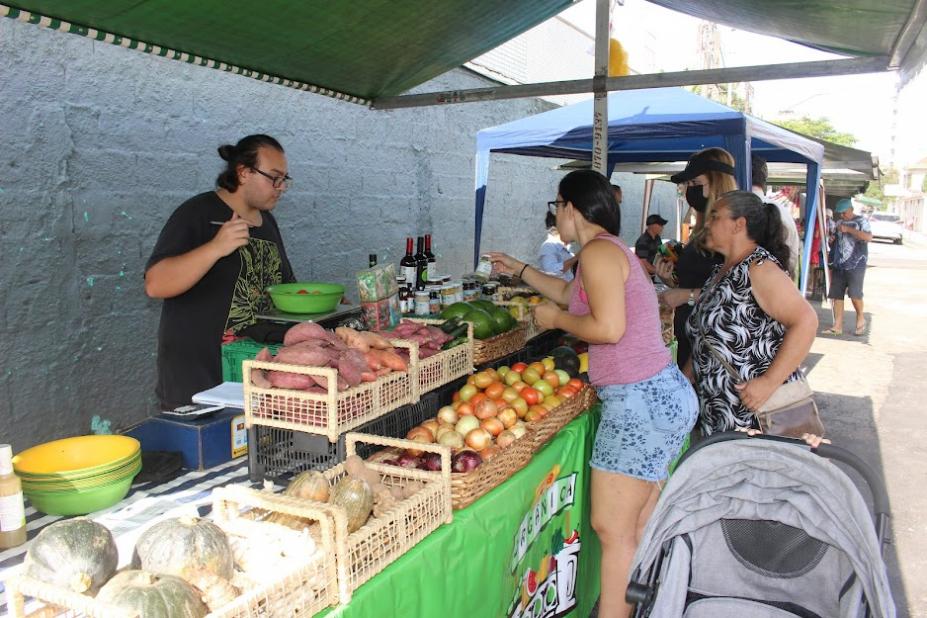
{"x":82,"y":453}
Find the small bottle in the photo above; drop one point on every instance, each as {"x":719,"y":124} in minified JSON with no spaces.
{"x":422,"y":303}
{"x":372,"y":260}
{"x":483,"y":268}
{"x":405,"y":302}
{"x":12,"y":511}
{"x":434,"y":302}
{"x":432,"y":262}
{"x":407,"y":263}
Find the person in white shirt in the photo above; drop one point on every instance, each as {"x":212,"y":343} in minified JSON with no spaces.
{"x":789,"y":229}
{"x":554,"y":257}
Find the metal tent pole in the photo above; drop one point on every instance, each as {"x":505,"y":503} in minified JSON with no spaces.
{"x":600,"y":107}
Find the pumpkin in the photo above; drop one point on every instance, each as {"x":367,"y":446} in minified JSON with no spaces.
{"x":184,"y":545}
{"x":309,"y":485}
{"x":152,"y":596}
{"x":78,"y":554}
{"x":356,"y":498}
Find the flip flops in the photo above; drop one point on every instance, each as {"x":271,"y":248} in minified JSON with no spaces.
{"x":860,"y":330}
{"x":832,"y":331}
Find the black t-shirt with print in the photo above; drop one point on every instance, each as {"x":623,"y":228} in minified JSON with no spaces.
{"x":227,"y":298}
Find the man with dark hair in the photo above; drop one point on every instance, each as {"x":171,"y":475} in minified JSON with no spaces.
{"x":214,"y":258}
{"x":648,"y":244}
{"x":616,"y":191}
{"x":848,"y":260}
{"x":760,"y":173}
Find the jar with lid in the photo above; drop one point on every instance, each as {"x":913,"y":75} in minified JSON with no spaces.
{"x":422,"y":302}
{"x":489,"y":289}
{"x":447,"y":295}
{"x":434,"y":302}
{"x":483,"y":268}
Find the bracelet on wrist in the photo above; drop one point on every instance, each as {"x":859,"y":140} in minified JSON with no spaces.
{"x":522,"y":271}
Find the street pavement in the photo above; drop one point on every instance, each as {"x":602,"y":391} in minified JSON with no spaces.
{"x":871,"y":391}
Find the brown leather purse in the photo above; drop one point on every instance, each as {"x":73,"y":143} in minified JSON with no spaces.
{"x":790,"y":411}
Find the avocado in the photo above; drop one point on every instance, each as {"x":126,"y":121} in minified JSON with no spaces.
{"x":457,"y":310}
{"x":503,"y":320}
{"x":483,"y":324}
{"x":567,"y":359}
{"x":485,"y":305}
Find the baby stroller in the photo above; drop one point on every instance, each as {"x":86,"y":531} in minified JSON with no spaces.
{"x":763,"y":527}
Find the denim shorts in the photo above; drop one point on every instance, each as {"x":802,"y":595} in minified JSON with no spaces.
{"x":849,"y":282}
{"x":644,"y":425}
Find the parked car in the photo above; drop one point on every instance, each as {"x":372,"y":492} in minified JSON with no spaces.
{"x":886,"y":225}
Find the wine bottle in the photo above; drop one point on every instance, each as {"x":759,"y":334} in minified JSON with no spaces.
{"x":372,"y":260}
{"x":407,"y":264}
{"x":421,"y":265}
{"x":432,"y":263}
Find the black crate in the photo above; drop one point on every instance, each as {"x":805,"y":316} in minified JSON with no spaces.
{"x":543,"y":344}
{"x":278,"y":454}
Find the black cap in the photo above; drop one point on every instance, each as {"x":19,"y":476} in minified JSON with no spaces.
{"x":656,"y":219}
{"x":698,"y":164}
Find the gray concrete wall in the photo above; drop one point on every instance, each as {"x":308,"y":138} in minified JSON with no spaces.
{"x":99,"y":144}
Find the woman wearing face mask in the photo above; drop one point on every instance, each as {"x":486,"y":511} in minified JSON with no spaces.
{"x":648,"y":406}
{"x":708,"y":174}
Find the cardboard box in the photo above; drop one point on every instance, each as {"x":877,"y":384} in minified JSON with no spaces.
{"x":204,"y":442}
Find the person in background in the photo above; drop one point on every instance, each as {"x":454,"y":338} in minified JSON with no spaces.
{"x":616,"y":190}
{"x":848,"y":265}
{"x":648,"y":244}
{"x":708,"y":174}
{"x":760,"y":172}
{"x":214,"y":258}
{"x":554,"y":257}
{"x":648,"y":407}
{"x":750,"y":313}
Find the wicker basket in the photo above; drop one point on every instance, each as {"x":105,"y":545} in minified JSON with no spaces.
{"x":504,"y":294}
{"x":447,"y":365}
{"x":467,"y":488}
{"x":332,"y":413}
{"x":304,"y":590}
{"x":369,"y":549}
{"x":488,"y":350}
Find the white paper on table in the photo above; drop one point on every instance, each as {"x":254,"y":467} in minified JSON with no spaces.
{"x":229,"y":394}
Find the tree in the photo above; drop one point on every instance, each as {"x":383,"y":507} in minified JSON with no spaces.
{"x":820,"y":128}
{"x":874,"y":190}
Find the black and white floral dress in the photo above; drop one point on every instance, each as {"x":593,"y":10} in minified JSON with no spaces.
{"x":731,"y":320}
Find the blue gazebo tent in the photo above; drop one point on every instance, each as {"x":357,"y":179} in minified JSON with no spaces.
{"x":663,"y":124}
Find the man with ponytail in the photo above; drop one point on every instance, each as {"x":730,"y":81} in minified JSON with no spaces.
{"x":211,"y":264}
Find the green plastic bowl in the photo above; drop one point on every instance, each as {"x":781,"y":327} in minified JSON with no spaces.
{"x":306,"y":297}
{"x":80,"y":502}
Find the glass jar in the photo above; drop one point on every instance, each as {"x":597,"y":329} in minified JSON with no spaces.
{"x":422,"y":302}
{"x":447,"y":295}
{"x":434,"y":302}
{"x":483,"y":268}
{"x":489,"y":289}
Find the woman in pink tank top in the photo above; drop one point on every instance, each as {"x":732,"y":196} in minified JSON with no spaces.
{"x":648,"y":406}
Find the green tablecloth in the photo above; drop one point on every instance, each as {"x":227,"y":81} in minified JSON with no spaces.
{"x":526,"y":549}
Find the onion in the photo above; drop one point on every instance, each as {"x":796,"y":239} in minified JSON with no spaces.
{"x":465,"y":461}
{"x":431,"y":462}
{"x":505,"y":439}
{"x":478,"y":439}
{"x":486,"y":408}
{"x":431,"y":425}
{"x":423,"y":432}
{"x":448,"y":415}
{"x":489,"y":452}
{"x":407,"y":461}
{"x":519,"y":429}
{"x":508,"y":416}
{"x":451,"y":439}
{"x":466,"y":424}
{"x":493,"y":425}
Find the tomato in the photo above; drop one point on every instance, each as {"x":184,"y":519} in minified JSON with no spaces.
{"x":476,"y":399}
{"x":519,"y":367}
{"x":495,"y":390}
{"x":576,"y":383}
{"x":467,"y":392}
{"x":530,"y":395}
{"x":566,"y":392}
{"x":539,"y":367}
{"x":455,"y":397}
{"x":302,"y":292}
{"x":552,"y":378}
{"x":483,"y":379}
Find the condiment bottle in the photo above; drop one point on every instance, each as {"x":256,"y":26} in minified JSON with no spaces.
{"x":12,"y":511}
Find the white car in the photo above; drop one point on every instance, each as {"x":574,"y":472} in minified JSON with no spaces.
{"x":886,"y":225}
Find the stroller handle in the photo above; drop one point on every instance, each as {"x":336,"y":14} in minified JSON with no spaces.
{"x":829,"y":451}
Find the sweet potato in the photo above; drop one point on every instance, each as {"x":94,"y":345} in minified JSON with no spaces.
{"x":305,"y":331}
{"x":304,"y":354}
{"x":353,"y":338}
{"x":392,"y":360}
{"x":351,"y":365}
{"x":373,"y":360}
{"x":259,"y":378}
{"x":285,"y":379}
{"x":376,"y":341}
{"x":264,"y":355}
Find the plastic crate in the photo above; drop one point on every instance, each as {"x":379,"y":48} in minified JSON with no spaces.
{"x":278,"y":454}
{"x":234,"y":353}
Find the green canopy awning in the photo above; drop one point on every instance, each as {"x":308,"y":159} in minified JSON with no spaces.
{"x":362,"y":49}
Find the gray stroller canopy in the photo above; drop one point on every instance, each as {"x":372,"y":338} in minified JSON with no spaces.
{"x":762,"y":480}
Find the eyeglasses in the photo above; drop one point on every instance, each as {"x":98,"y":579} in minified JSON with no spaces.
{"x":552,"y":206}
{"x":279,"y":182}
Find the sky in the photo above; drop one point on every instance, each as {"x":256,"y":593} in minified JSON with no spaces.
{"x":862,"y":105}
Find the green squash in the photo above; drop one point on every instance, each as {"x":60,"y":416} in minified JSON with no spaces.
{"x":184,"y":545}
{"x":356,"y":498}
{"x":153,"y":596}
{"x":78,"y":554}
{"x":309,"y":485}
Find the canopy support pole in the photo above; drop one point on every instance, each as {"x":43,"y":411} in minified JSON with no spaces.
{"x":822,"y":230}
{"x":756,"y":73}
{"x":811,"y":207}
{"x":600,"y":105}
{"x":648,"y":197}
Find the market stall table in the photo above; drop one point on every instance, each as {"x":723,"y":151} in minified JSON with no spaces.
{"x":524,"y":549}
